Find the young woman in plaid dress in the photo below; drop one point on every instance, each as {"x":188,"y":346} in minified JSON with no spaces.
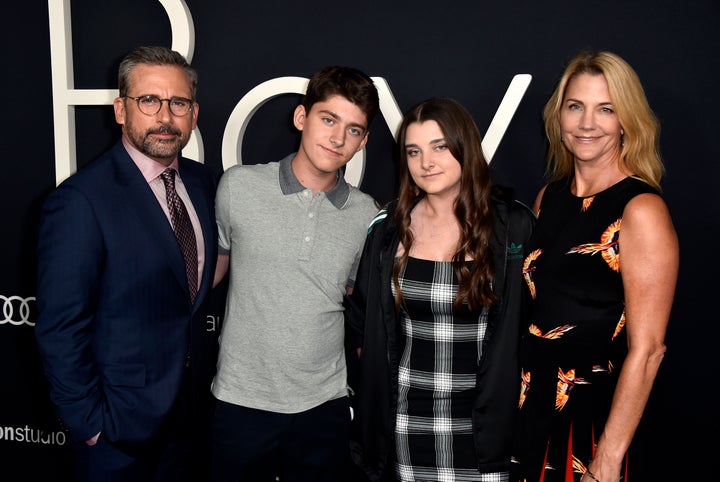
{"x":435,"y":310}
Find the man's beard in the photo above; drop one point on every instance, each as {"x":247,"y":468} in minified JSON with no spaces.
{"x":156,"y":148}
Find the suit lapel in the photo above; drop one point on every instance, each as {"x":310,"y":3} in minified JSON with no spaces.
{"x":143,"y":204}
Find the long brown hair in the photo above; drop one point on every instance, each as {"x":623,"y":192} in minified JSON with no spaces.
{"x":472,"y":206}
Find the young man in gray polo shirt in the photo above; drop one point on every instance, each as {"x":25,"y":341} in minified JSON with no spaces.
{"x":292,"y":232}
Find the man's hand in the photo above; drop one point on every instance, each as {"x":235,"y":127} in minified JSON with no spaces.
{"x":93,"y":440}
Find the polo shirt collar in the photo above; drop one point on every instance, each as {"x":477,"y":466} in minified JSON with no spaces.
{"x":289,"y":184}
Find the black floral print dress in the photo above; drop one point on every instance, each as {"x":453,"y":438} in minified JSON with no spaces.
{"x":575,"y":341}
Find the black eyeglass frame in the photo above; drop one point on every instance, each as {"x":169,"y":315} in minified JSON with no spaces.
{"x":155,"y":98}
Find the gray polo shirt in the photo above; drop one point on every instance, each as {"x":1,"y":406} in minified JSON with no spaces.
{"x":291,"y":256}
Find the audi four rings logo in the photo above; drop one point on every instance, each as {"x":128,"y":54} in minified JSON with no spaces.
{"x":17,"y":310}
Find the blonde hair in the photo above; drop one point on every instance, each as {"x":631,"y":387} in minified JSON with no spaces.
{"x":640,"y":149}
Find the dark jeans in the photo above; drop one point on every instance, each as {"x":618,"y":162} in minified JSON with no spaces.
{"x":259,"y":446}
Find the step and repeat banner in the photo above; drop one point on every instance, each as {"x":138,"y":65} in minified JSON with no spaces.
{"x":500,"y":59}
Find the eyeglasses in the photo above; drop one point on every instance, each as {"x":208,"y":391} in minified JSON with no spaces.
{"x":151,"y":104}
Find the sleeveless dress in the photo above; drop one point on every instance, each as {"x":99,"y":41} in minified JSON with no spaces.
{"x":437,"y":378}
{"x":575,"y":344}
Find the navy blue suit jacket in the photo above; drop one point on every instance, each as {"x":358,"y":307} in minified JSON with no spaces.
{"x":115,"y":323}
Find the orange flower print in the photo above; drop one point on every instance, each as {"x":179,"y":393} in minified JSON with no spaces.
{"x":619,"y":326}
{"x":566,"y":382}
{"x":578,"y":466}
{"x":556,"y":332}
{"x":587,"y":202}
{"x":524,"y":386}
{"x":528,"y":268}
{"x":608,"y":246}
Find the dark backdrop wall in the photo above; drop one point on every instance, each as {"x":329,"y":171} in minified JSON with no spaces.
{"x":469,"y":50}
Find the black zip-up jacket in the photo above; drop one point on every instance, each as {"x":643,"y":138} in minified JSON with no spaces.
{"x":373,"y":324}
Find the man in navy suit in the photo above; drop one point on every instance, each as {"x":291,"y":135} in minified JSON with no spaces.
{"x":121,"y":325}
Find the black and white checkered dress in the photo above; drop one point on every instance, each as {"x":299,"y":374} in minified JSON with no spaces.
{"x":437,"y":378}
